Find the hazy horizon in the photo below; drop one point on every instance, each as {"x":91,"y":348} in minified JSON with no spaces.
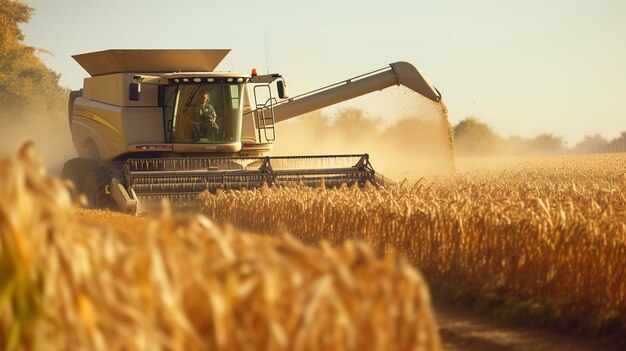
{"x":523,"y":68}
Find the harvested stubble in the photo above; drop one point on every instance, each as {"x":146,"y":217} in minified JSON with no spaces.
{"x":546,"y":230}
{"x":183,"y":284}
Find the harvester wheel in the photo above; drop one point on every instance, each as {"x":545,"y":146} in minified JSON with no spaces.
{"x":76,"y":169}
{"x":91,"y":178}
{"x":96,"y":185}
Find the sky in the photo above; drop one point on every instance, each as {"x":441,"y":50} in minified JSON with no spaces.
{"x":522,"y":67}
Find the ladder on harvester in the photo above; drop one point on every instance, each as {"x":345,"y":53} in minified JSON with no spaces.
{"x":264,"y":122}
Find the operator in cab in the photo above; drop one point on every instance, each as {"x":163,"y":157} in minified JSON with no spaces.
{"x":204,"y":117}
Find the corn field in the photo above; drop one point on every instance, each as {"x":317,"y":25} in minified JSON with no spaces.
{"x":181,"y":283}
{"x":546,"y":230}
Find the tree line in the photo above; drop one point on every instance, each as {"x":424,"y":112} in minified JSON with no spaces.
{"x":475,"y":138}
{"x":28,"y":89}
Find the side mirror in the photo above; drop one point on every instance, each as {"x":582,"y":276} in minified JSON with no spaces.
{"x":282,"y":89}
{"x":134,"y":91}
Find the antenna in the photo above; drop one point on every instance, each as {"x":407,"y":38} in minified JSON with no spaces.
{"x":267,"y":55}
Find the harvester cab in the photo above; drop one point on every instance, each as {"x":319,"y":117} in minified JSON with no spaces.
{"x":155,"y":124}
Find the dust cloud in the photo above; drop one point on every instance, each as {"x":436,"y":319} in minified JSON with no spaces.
{"x":418,"y":141}
{"x":51,"y":136}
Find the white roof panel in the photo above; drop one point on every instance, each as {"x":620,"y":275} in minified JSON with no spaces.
{"x":150,"y":61}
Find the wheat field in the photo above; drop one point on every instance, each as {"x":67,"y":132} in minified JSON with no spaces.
{"x":308,"y":268}
{"x":547,"y":230}
{"x":73,"y":279}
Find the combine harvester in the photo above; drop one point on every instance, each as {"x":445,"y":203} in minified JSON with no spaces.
{"x":154,"y":124}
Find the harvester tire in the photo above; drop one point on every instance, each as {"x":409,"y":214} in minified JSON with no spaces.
{"x":76,"y":169}
{"x":91,"y":179}
{"x":96,"y":185}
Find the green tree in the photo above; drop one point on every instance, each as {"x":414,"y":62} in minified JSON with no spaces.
{"x":354,"y":124}
{"x":591,"y":144}
{"x":618,"y":144}
{"x":547,"y":144}
{"x":475,"y":138}
{"x":27,"y":86}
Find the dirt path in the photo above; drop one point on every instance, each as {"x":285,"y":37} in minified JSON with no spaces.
{"x":464,"y":331}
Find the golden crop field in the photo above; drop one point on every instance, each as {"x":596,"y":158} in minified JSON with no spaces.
{"x":181,"y":283}
{"x":548,"y":230}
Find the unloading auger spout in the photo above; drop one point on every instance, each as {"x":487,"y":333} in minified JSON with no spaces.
{"x":159,"y":124}
{"x":398,"y":73}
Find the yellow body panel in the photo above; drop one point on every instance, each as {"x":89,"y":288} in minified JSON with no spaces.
{"x":112,"y":89}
